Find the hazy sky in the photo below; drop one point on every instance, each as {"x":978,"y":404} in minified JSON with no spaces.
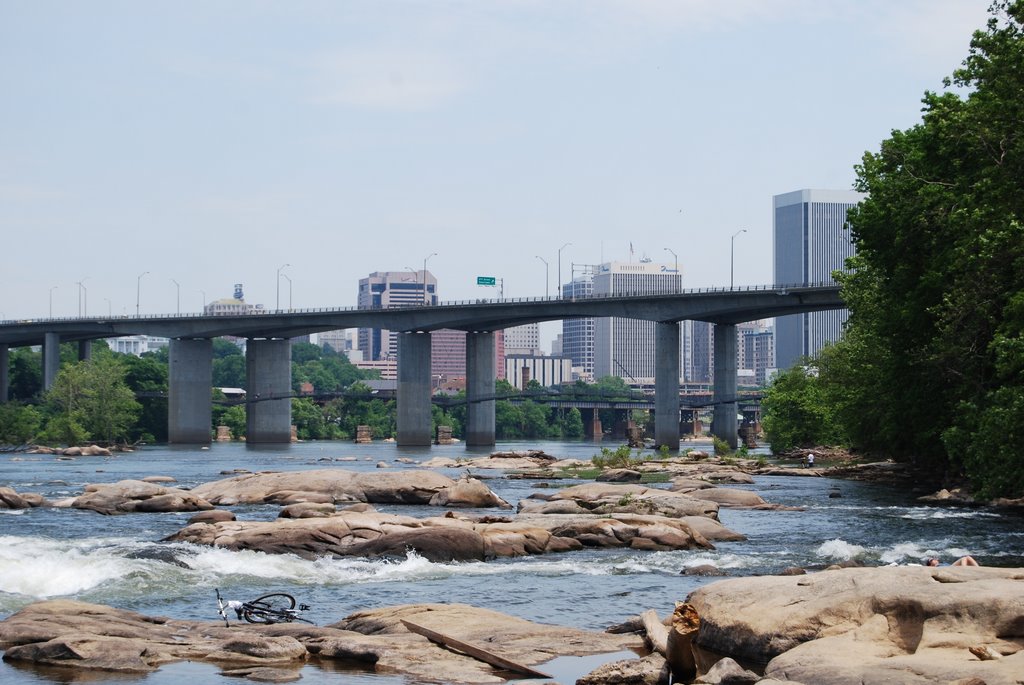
{"x":211,"y":142}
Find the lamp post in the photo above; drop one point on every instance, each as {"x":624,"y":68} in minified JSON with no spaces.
{"x":83,"y":297}
{"x":178,"y":286}
{"x":560,"y":267}
{"x":203,"y":293}
{"x":52,"y":288}
{"x":289,"y":290}
{"x":732,"y":254}
{"x":110,"y":308}
{"x":138,"y":291}
{"x":547,"y":276}
{"x":278,"y":305}
{"x":676,"y":258}
{"x":426,"y":299}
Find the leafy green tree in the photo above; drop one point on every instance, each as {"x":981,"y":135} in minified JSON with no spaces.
{"x":90,"y":400}
{"x":26,"y":373}
{"x":797,"y":412}
{"x":19,"y":424}
{"x":235,"y":419}
{"x":229,"y":371}
{"x":929,"y":367}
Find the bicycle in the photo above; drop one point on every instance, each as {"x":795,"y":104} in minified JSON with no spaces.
{"x":276,"y":607}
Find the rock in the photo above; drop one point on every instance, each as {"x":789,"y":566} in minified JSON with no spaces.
{"x":383,"y":465}
{"x":10,"y":499}
{"x":650,"y":670}
{"x":129,"y":496}
{"x":448,"y":538}
{"x":159,"y":479}
{"x":303,"y":510}
{"x":212,"y":516}
{"x":414,"y":486}
{"x":468,"y":492}
{"x":730,"y":497}
{"x":885,"y":624}
{"x":727,"y":672}
{"x":619,"y":476}
{"x":94,"y":451}
{"x":77,"y":636}
{"x":792,"y":571}
{"x":703,"y":570}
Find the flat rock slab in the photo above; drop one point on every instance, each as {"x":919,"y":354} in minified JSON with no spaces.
{"x":136,"y":496}
{"x":338,"y":485}
{"x":80,"y":636}
{"x":911,"y":624}
{"x":445,"y":538}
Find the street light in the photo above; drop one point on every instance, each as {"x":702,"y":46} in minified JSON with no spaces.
{"x":289,"y":291}
{"x":83,"y":297}
{"x":732,"y":254}
{"x":203,"y":293}
{"x":110,"y":308}
{"x":426,"y":300}
{"x":676,"y":257}
{"x":178,"y":286}
{"x":52,"y":288}
{"x":278,"y":306}
{"x":560,"y":267}
{"x":547,"y":275}
{"x":138,"y":291}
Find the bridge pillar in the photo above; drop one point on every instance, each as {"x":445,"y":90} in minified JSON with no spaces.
{"x":84,"y":350}
{"x":5,"y":377}
{"x":666,"y":385}
{"x":51,"y":359}
{"x":189,"y":404}
{"x":480,"y":375}
{"x":414,"y":418}
{"x":723,"y":423}
{"x":592,"y":429}
{"x":268,"y":372}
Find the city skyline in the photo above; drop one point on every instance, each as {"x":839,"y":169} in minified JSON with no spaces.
{"x":153,"y":156}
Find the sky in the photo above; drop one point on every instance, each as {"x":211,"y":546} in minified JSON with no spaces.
{"x":153,"y":154}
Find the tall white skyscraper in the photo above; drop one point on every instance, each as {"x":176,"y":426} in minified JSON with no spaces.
{"x":625,"y":347}
{"x":810,"y":242}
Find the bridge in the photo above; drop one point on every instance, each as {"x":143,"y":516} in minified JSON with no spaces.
{"x":268,"y":352}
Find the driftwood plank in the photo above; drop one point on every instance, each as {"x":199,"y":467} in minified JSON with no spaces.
{"x":657,"y":633}
{"x":473,"y":650}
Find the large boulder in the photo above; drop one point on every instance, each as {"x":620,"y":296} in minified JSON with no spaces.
{"x":449,"y":537}
{"x":11,"y":499}
{"x":870,"y":625}
{"x":78,"y":637}
{"x":338,"y":485}
{"x":129,"y":496}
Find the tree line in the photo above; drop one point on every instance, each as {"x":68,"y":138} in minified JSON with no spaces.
{"x":931,"y":365}
{"x":121,"y":398}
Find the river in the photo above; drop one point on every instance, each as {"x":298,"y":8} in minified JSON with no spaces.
{"x":118,"y":560}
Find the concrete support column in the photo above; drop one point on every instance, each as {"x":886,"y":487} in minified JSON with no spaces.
{"x":190,"y":378}
{"x":414,"y":420}
{"x":5,"y":373}
{"x":480,"y":377}
{"x":666,"y":385}
{"x":592,"y":424}
{"x":268,"y":372}
{"x":723,"y":424}
{"x":84,"y":350}
{"x":51,"y":359}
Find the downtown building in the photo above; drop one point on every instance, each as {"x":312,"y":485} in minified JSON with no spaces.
{"x":810,"y":241}
{"x":578,"y":334}
{"x":391,"y":290}
{"x":625,"y":347}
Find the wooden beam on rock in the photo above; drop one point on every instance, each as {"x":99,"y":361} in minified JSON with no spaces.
{"x":473,"y":650}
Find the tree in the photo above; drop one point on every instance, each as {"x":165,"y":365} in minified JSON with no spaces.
{"x":90,"y":400}
{"x":797,"y":412}
{"x":931,"y":358}
{"x":19,"y":424}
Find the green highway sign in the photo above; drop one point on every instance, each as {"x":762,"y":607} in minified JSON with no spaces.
{"x":486,"y":280}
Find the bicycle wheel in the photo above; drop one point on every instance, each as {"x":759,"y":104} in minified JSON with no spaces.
{"x":275,"y":601}
{"x":258,"y":615}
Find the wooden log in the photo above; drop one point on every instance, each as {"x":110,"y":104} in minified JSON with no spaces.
{"x":680,"y":656}
{"x":474,"y":651}
{"x":657,"y":633}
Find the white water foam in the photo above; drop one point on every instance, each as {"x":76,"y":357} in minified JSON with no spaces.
{"x":44,"y":567}
{"x":839,"y":550}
